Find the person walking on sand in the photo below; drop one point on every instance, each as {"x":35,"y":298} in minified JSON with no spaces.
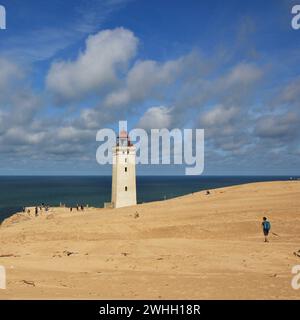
{"x":36,"y":211}
{"x":266,"y":225}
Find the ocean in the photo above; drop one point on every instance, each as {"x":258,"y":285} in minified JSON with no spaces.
{"x":17,"y":192}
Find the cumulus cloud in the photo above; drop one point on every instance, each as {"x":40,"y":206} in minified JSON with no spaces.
{"x":97,"y":67}
{"x":9,"y":71}
{"x":22,"y":136}
{"x":242,"y":74}
{"x":18,"y":102}
{"x":281,"y":127}
{"x":72,"y":134}
{"x":218,"y":116}
{"x":191,"y":89}
{"x":150,"y":78}
{"x":10,"y":75}
{"x":106,"y":53}
{"x":156,"y":118}
{"x":226,"y":128}
{"x":235,"y":86}
{"x":290,"y":93}
{"x":24,"y":130}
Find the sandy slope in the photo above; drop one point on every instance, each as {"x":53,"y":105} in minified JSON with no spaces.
{"x":197,"y":246}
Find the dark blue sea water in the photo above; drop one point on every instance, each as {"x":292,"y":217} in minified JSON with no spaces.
{"x":16,"y":192}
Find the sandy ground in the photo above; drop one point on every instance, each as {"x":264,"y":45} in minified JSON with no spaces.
{"x":194,"y":247}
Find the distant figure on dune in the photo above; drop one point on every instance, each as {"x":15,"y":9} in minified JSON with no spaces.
{"x":266,"y":225}
{"x":36,"y":211}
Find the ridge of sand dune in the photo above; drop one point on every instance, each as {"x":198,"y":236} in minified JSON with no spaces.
{"x":196,"y":246}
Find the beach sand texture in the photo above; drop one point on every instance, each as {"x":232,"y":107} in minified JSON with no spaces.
{"x":193,"y":247}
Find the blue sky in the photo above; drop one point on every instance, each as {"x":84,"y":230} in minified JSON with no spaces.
{"x":70,"y":68}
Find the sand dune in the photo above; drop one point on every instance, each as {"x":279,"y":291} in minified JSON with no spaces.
{"x":193,"y":247}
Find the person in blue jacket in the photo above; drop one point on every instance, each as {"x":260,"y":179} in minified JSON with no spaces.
{"x":266,"y":225}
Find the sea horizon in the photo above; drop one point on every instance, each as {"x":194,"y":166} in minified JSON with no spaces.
{"x":18,"y":191}
{"x":152,"y":175}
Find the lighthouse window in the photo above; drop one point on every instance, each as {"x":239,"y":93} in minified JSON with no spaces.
{"x":125,"y":169}
{"x":126,"y":188}
{"x":127,"y":151}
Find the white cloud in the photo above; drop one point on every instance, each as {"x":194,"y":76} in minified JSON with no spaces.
{"x":190,"y":84}
{"x":290,"y":93}
{"x":148,"y":78}
{"x":105,"y":54}
{"x":21,"y":136}
{"x":10,"y":74}
{"x":225,"y":127}
{"x":242,"y":74}
{"x":156,"y":118}
{"x":281,"y":127}
{"x":18,"y":102}
{"x":73,"y":134}
{"x":219,"y":115}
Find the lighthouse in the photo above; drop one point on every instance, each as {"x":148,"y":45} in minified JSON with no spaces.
{"x":123,"y":172}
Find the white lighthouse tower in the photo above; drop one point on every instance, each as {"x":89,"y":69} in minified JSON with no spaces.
{"x":123,"y":172}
